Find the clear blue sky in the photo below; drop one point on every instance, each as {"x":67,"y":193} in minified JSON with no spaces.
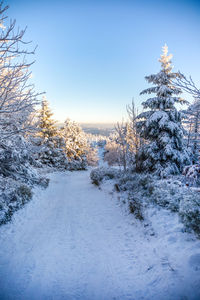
{"x":92,"y":56}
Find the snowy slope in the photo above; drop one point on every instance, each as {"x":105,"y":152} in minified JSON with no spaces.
{"x":73,"y":241}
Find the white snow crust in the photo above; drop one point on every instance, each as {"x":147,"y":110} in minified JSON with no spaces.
{"x":75,"y":241}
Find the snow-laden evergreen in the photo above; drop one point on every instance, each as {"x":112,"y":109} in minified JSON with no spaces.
{"x":46,"y":123}
{"x":75,"y":144}
{"x":48,"y":141}
{"x":160,"y":126}
{"x":67,"y":147}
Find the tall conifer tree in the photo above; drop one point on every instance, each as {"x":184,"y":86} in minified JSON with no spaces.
{"x":46,"y":122}
{"x":160,"y":126}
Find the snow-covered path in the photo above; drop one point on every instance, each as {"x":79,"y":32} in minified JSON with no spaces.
{"x":72,"y":241}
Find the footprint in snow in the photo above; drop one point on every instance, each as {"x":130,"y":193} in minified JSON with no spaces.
{"x":166,"y":264}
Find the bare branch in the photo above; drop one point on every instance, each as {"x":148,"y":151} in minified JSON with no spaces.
{"x":187,"y":85}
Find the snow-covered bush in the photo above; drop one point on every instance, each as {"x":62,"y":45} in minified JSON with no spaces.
{"x":164,"y":192}
{"x":168,"y":193}
{"x":172,"y":193}
{"x":192,"y":174}
{"x":136,"y":207}
{"x":135,"y":182}
{"x":13,"y":195}
{"x":92,"y":156}
{"x":47,"y":154}
{"x":18,"y":176}
{"x":98,"y":174}
{"x":78,"y":164}
{"x":76,"y":145}
{"x":16,"y":161}
{"x":189,"y":211}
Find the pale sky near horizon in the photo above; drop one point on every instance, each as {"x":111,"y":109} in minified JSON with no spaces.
{"x":92,"y":56}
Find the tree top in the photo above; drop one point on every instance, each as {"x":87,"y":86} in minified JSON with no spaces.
{"x":165,"y":60}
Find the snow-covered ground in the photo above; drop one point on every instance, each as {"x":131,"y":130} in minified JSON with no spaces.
{"x":74,"y":241}
{"x":101,"y":162}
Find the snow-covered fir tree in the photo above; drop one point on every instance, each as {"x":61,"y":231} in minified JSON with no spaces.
{"x":47,"y":124}
{"x":75,"y":144}
{"x":160,"y":126}
{"x":48,"y":141}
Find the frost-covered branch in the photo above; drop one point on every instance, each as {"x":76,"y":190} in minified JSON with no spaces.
{"x":188,"y":85}
{"x":17,"y":93}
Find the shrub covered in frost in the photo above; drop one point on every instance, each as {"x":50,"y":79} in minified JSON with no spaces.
{"x":16,"y":161}
{"x":17,"y":176}
{"x":136,"y":207}
{"x":192,"y":174}
{"x":127,"y":182}
{"x":92,"y":156}
{"x":135,"y":182}
{"x":166,"y":193}
{"x":189,"y":211}
{"x":170,"y":193}
{"x":77,"y":164}
{"x":13,"y":196}
{"x":98,"y":174}
{"x":49,"y":155}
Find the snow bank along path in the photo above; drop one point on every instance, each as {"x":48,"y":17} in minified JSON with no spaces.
{"x":73,"y":241}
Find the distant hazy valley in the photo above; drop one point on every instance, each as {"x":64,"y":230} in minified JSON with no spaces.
{"x":96,"y":128}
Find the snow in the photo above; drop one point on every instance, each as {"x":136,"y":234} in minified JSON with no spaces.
{"x":76,"y":241}
{"x":102,"y":162}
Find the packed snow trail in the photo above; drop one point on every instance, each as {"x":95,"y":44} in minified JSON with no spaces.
{"x":73,"y":241}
